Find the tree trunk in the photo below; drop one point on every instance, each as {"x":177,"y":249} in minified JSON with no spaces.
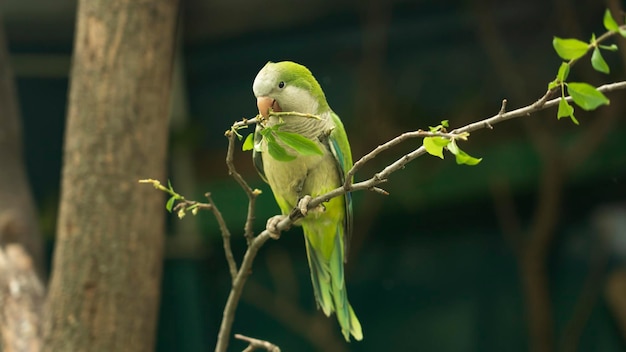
{"x":21,"y":299}
{"x":104,"y":290}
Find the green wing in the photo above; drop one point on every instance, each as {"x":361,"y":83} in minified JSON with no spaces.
{"x":340,"y":148}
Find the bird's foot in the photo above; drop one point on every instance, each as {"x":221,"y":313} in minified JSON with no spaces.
{"x":272,"y":226}
{"x":303,"y":206}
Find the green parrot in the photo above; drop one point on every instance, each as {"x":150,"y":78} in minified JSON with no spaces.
{"x":287,"y":86}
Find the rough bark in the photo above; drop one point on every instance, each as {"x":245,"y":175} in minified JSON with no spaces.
{"x":104,"y":289}
{"x":21,"y":299}
{"x":21,"y":253}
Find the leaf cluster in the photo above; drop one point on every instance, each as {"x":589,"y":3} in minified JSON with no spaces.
{"x":183,"y":206}
{"x":275,"y":139}
{"x":571,"y":50}
{"x":436,"y":144}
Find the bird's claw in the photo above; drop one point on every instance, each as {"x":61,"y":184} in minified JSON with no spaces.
{"x":272,"y":226}
{"x":303,"y":204}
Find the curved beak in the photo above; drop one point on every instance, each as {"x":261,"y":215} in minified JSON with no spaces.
{"x":265,"y":103}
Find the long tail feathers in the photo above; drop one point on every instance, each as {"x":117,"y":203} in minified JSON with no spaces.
{"x":330,"y":289}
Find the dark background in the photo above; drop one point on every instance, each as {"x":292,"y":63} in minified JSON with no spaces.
{"x":434,"y":265}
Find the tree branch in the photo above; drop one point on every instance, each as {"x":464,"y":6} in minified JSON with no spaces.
{"x":541,"y":104}
{"x":232,"y":265}
{"x":256,"y":343}
{"x":251,"y":193}
{"x":228,"y":316}
{"x":287,"y":221}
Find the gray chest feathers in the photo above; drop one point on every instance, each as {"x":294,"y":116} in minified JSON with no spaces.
{"x":305,"y":175}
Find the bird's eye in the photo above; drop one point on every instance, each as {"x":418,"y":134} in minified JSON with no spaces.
{"x":281,"y":84}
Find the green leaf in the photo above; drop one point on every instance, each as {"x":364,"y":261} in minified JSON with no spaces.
{"x":570,"y":49}
{"x":612,"y":47}
{"x":609,"y":21}
{"x":563,"y":72}
{"x":444,"y":123}
{"x":299,"y":143}
{"x":440,"y":141}
{"x":565,"y":109}
{"x":462,"y":158}
{"x":597,"y":61}
{"x":586,"y":96}
{"x":622,"y":32}
{"x":169,"y":185}
{"x":277,"y":151}
{"x":248,"y":144}
{"x":434,"y":145}
{"x":453,"y":148}
{"x":170,"y":203}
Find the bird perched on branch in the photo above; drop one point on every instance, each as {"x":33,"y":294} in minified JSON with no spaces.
{"x":298,"y":169}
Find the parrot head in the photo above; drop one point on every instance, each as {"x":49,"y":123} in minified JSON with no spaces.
{"x":288,"y":86}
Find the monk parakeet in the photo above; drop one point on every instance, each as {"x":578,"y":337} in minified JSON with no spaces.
{"x":285,"y":87}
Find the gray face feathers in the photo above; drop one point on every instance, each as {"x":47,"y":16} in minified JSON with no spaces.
{"x":288,"y":86}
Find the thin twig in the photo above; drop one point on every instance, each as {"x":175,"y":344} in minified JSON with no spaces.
{"x":184,"y":205}
{"x":245,"y":123}
{"x":256,"y":343}
{"x":401,"y":138}
{"x":380,"y":177}
{"x":228,"y":252}
{"x":293,"y":113}
{"x":503,"y":107}
{"x":251,"y":193}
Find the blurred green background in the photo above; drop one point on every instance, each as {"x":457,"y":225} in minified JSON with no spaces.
{"x":434,"y":266}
